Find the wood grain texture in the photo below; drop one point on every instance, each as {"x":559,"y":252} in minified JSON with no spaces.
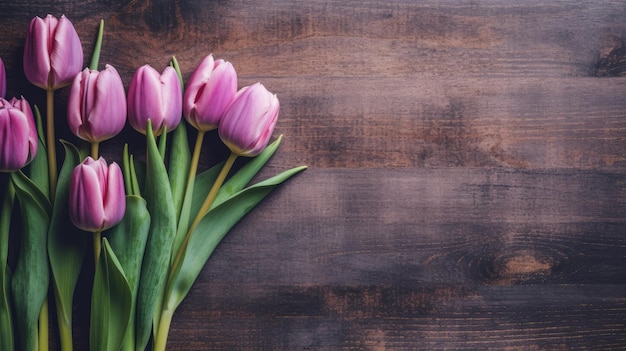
{"x":467,"y":181}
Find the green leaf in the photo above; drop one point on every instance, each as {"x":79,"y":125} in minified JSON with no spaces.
{"x":240,"y":179}
{"x":202,"y":180}
{"x":174,"y":63}
{"x":163,"y":142}
{"x":111,"y":303}
{"x":66,"y":245}
{"x":6,"y":322}
{"x":158,"y":249}
{"x":212,"y":229}
{"x":128,"y":241}
{"x":179,"y":163}
{"x":31,"y":276}
{"x":6,"y":315}
{"x":131,"y":184}
{"x":37,"y":170}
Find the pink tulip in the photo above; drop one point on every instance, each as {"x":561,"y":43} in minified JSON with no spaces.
{"x":97,"y":197}
{"x":155,"y":97}
{"x":96,"y":106}
{"x":211,"y":88}
{"x":249,"y":121}
{"x":20,"y":104}
{"x":18,"y":137}
{"x":3,"y":80}
{"x":53,"y":54}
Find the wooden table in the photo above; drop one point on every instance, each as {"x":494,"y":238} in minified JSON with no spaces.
{"x":466,"y":187}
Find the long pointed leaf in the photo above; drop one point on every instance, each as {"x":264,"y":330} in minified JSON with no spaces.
{"x":38,"y":168}
{"x":191,"y":201}
{"x":6,"y":322}
{"x":6,"y":315}
{"x":66,"y":245}
{"x":212,"y":229}
{"x":240,"y":179}
{"x":158,"y":249}
{"x":128,"y":241}
{"x":111,"y":302}
{"x":31,"y":276}
{"x":180,"y":160}
{"x":204,"y":181}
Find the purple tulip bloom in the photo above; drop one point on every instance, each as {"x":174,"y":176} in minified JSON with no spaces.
{"x":96,"y":106}
{"x":18,"y":137}
{"x":249,"y":121}
{"x":211,"y":88}
{"x":97,"y":197}
{"x":155,"y":97}
{"x":20,"y":104}
{"x":53,"y":54}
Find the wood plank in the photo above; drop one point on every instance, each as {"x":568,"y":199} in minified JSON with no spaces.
{"x":393,"y":85}
{"x":403,"y":318}
{"x":480,"y":259}
{"x":460,"y":226}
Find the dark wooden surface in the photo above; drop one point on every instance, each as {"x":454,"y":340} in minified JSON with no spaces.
{"x":467,"y":180}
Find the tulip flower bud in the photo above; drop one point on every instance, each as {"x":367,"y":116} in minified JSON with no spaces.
{"x":96,"y":106}
{"x":97,"y":197}
{"x":3,"y":80}
{"x":53,"y":54}
{"x":155,"y":97}
{"x":18,"y":137}
{"x":20,"y":104}
{"x":249,"y":121}
{"x":211,"y":88}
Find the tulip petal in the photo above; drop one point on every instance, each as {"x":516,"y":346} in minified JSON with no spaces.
{"x":114,"y":197}
{"x":171,"y":98}
{"x":211,"y":89}
{"x":14,"y":146}
{"x":36,"y":51}
{"x":66,"y":56}
{"x":143,"y":102}
{"x":107,"y":115}
{"x":33,"y":140}
{"x":85,"y":199}
{"x":75,"y":105}
{"x":218,"y":94}
{"x":96,"y":108}
{"x":155,"y":97}
{"x":249,"y":121}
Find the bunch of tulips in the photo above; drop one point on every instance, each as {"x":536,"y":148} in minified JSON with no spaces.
{"x":153,"y":224}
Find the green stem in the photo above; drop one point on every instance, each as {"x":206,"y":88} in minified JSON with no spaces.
{"x":97,"y":246}
{"x":51,"y":142}
{"x":193,"y":168}
{"x":65,"y":334}
{"x":203,"y":210}
{"x":65,"y":325}
{"x":52,"y":173}
{"x":163,"y":329}
{"x":195,"y":158}
{"x":94,"y":150}
{"x":213,"y":193}
{"x":43,"y":327}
